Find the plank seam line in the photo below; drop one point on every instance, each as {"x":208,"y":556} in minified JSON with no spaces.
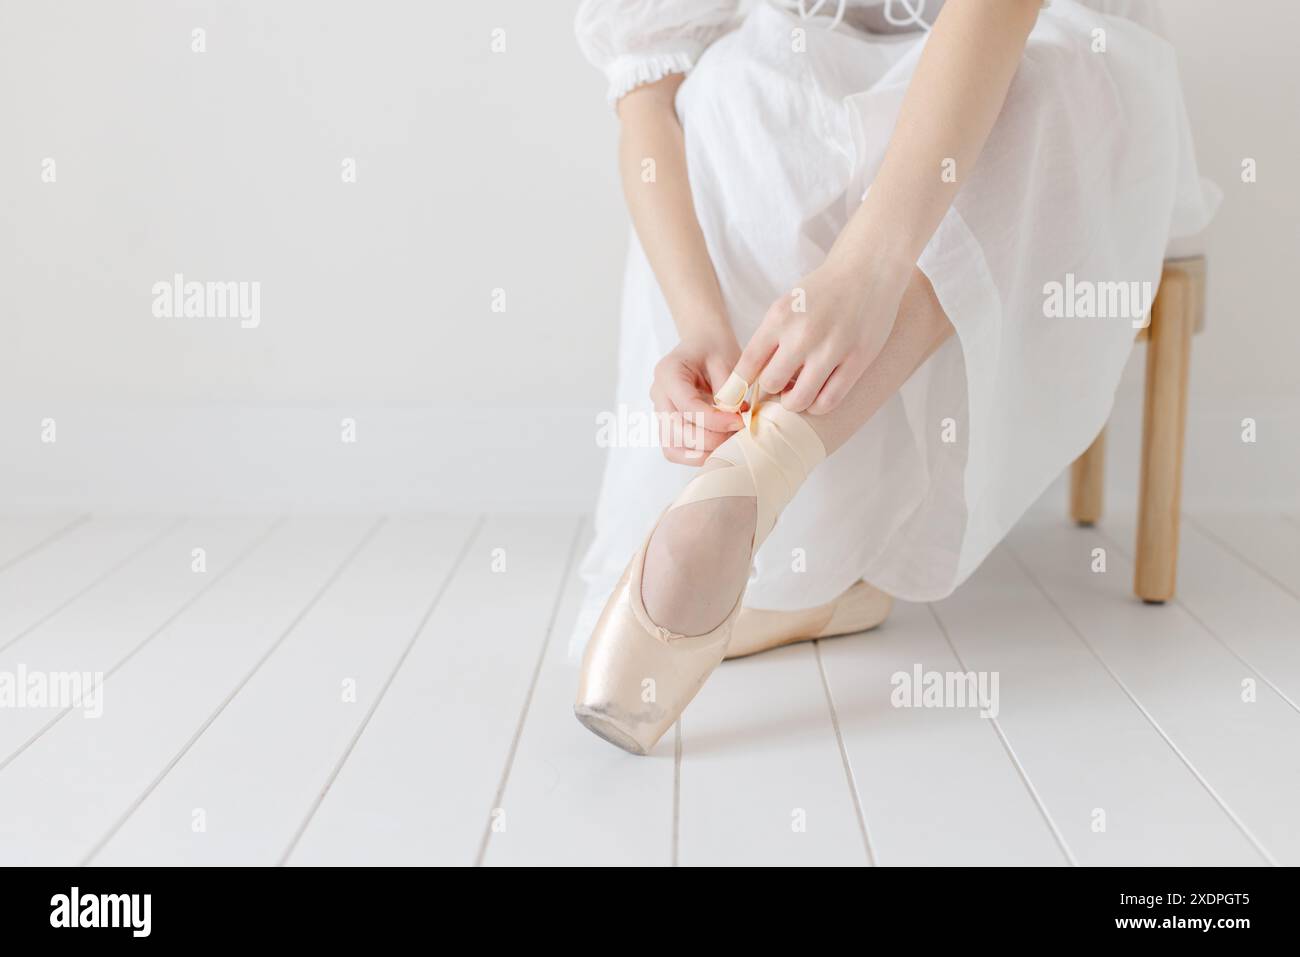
{"x":47,"y":540}
{"x":99,"y":580}
{"x":1214,"y":634}
{"x":1011,"y":752}
{"x":383,"y":691}
{"x":1241,"y":825}
{"x":849,"y":776}
{"x":532,"y":687}
{"x":1249,"y":563}
{"x":10,"y":758}
{"x":185,"y":749}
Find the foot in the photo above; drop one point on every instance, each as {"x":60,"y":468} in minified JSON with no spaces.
{"x":860,"y":608}
{"x":697,"y":562}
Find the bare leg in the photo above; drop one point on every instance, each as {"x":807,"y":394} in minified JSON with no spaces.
{"x":698,"y":559}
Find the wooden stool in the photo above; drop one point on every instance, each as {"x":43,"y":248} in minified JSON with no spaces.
{"x":1176,"y":314}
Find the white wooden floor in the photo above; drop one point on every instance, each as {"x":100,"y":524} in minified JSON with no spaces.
{"x":396,"y":690}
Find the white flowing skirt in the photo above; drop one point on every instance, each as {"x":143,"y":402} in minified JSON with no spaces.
{"x":1039,"y":265}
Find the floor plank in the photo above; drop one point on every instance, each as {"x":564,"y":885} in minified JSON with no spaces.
{"x":68,"y":791}
{"x":224,"y":694}
{"x":258,"y":769}
{"x":937,"y":786}
{"x":107,"y":623}
{"x":572,"y":799}
{"x":1188,"y":684}
{"x":1270,"y":544}
{"x":419,"y":785}
{"x":51,"y":577}
{"x":1252,"y":615}
{"x":22,"y":535}
{"x":1083,"y":744}
{"x":762,"y":776}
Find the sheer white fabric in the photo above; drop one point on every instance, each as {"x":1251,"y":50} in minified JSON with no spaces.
{"x":1088,"y":173}
{"x":639,"y":41}
{"x":635,"y":42}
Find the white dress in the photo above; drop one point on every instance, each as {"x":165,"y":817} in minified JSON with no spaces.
{"x":1087,"y":175}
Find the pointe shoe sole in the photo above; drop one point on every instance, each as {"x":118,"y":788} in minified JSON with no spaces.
{"x":861,"y":608}
{"x":603,"y":726}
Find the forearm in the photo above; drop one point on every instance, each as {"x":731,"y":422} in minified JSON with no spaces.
{"x":955,"y":96}
{"x":652,"y":163}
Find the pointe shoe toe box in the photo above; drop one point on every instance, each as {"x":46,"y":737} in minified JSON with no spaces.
{"x":636,"y":681}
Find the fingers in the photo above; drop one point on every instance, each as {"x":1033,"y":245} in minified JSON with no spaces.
{"x":697,"y":410}
{"x":838,"y":386}
{"x":774,"y":354}
{"x":809,"y":384}
{"x":780,"y":370}
{"x":681,"y":441}
{"x":672,"y":434}
{"x":686,"y":443}
{"x":750,"y":364}
{"x":699,"y":439}
{"x":700,"y":413}
{"x":689,"y":427}
{"x":702,"y":428}
{"x":717,"y":371}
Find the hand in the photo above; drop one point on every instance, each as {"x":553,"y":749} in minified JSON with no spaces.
{"x":684,"y":383}
{"x":817,"y":341}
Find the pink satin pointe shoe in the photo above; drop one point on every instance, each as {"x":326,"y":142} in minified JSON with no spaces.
{"x":638,"y":677}
{"x":860,"y":608}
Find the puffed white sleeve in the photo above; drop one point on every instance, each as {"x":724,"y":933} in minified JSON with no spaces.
{"x":635,"y":42}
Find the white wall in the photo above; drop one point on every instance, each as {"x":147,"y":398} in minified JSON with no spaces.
{"x":1241,"y":79}
{"x":476,"y":170}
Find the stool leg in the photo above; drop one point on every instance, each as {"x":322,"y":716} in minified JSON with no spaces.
{"x":1087,"y":482}
{"x":1164,"y":422}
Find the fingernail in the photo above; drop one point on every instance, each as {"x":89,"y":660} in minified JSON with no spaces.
{"x":732,"y":393}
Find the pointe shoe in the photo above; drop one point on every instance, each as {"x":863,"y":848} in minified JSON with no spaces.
{"x":860,"y":608}
{"x":638,"y":677}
